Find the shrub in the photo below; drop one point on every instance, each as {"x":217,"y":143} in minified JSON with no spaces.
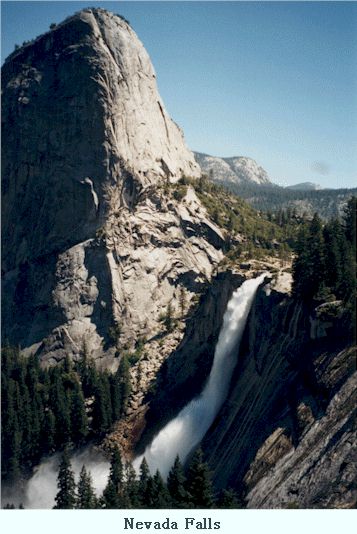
{"x":114,"y":333}
{"x":180,"y":193}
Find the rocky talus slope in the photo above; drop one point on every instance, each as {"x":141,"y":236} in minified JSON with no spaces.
{"x":93,"y":247}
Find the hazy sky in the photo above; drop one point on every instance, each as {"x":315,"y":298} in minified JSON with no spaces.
{"x":276,"y":81}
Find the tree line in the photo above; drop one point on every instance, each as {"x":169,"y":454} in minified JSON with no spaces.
{"x":125,"y":489}
{"x":273,"y":198}
{"x":324,"y":268}
{"x":45,"y":409}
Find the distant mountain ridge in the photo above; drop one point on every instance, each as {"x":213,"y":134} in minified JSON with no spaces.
{"x":237,"y":169}
{"x":327,"y":203}
{"x":244,"y":177}
{"x":305,"y":186}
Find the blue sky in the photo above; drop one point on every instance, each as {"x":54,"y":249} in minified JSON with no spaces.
{"x":276,"y":81}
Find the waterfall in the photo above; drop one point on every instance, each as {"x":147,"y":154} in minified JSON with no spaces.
{"x":188,"y":428}
{"x":181,"y":434}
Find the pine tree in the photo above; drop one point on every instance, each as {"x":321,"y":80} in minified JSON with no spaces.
{"x":169,"y":320}
{"x":116,"y":470}
{"x":110,"y":498}
{"x":34,"y":415}
{"x":88,"y":375}
{"x":229,"y":499}
{"x":309,"y":264}
{"x":113,"y":493}
{"x":284,"y":254}
{"x":131,"y":487}
{"x":123,"y":378}
{"x":9,"y":358}
{"x":199,"y":485}
{"x":176,"y":485}
{"x":66,"y":496}
{"x":348,"y":261}
{"x":144,"y":477}
{"x":25,"y":413}
{"x":349,"y":221}
{"x":333,"y":241}
{"x":11,"y":436}
{"x":59,"y":403}
{"x":216,"y":216}
{"x":37,"y":419}
{"x":79,"y":420}
{"x":86,"y":498}
{"x":67,"y":365}
{"x":202,"y":183}
{"x":157,"y":493}
{"x":9,"y":424}
{"x":102,"y":409}
{"x":14,"y":449}
{"x":147,"y":499}
{"x":347,"y":291}
{"x":49,"y":432}
{"x":316,"y":265}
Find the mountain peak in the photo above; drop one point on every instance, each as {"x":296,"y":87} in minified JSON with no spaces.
{"x":100,"y":53}
{"x":88,"y":152}
{"x":236,"y":169}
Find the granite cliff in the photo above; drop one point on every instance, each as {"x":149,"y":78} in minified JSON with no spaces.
{"x":91,"y":242}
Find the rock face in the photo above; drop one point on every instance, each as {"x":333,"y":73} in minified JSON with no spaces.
{"x":321,"y":471}
{"x":287,"y":430}
{"x":237,"y":170}
{"x":91,"y":244}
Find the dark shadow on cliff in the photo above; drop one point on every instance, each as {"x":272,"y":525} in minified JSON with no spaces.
{"x":97,"y":266}
{"x":28,"y":314}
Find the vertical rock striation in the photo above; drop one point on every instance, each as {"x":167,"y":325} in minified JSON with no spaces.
{"x":287,"y":431}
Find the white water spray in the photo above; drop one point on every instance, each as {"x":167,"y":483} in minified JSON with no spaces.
{"x":42,"y":488}
{"x":188,"y":428}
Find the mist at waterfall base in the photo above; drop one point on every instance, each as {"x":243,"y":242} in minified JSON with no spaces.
{"x":41,"y":489}
{"x":179,"y":436}
{"x":188,"y":428}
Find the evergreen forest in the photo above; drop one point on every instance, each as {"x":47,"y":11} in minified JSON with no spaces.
{"x":192,"y":488}
{"x":325,"y":202}
{"x":324,"y":266}
{"x":43,"y":410}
